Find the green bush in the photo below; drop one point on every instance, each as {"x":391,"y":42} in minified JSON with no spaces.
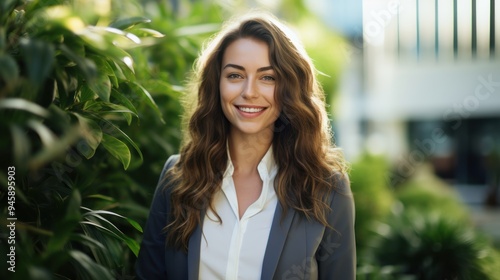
{"x":76,"y":99}
{"x":372,"y":196}
{"x":429,"y":235}
{"x":431,"y":245}
{"x":427,"y":192}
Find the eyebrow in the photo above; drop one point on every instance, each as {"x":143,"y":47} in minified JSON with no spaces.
{"x":239,"y":67}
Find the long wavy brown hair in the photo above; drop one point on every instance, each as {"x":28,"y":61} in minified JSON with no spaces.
{"x":303,"y":150}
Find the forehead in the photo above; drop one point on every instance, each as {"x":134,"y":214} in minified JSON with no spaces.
{"x":247,"y":52}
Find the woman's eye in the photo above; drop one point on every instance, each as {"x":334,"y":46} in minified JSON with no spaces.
{"x":268,"y":78}
{"x":234,"y":76}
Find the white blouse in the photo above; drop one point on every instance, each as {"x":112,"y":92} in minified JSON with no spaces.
{"x":235,"y":248}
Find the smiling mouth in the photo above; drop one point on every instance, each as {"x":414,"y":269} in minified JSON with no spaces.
{"x":251,"y":109}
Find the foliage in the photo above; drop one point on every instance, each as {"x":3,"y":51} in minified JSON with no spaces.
{"x":69,"y":91}
{"x":428,"y":236}
{"x":372,"y":196}
{"x":418,"y":231}
{"x":330,"y":61}
{"x":428,"y":193}
{"x":431,"y":245}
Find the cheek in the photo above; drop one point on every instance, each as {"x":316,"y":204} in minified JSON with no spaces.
{"x":224,"y":92}
{"x":270,"y":96}
{"x":229,"y":91}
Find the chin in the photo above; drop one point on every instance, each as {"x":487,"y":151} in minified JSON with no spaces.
{"x":252,"y":130}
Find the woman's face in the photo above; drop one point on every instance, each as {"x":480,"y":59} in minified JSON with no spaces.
{"x":247,"y":86}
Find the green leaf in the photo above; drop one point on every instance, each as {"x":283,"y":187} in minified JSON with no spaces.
{"x":102,"y":64}
{"x":24,"y":105}
{"x":94,"y":39}
{"x":87,"y":268}
{"x":132,"y":245}
{"x":101,"y":85}
{"x":21,"y":144}
{"x":97,"y":212}
{"x":126,"y":23}
{"x":48,"y":154}
{"x":116,"y":234}
{"x":64,"y":227}
{"x":46,"y":135}
{"x":96,"y":215}
{"x":122,"y":99}
{"x":93,"y":105}
{"x":117,"y":108}
{"x":146,"y":97}
{"x":6,"y":7}
{"x":114,"y":81}
{"x":86,"y":93}
{"x":117,"y":148}
{"x":3,"y":38}
{"x":118,"y":71}
{"x":121,"y":35}
{"x":39,"y":58}
{"x":104,"y":38}
{"x":135,"y":224}
{"x":123,"y":71}
{"x":92,"y":134}
{"x":9,"y":70}
{"x":104,"y":108}
{"x":126,"y":113}
{"x":157,"y":86}
{"x":76,"y":46}
{"x":111,"y":128}
{"x":87,"y":241}
{"x":103,"y":197}
{"x":73,"y":206}
{"x":146,"y":32}
{"x":87,"y":66}
{"x":108,"y":42}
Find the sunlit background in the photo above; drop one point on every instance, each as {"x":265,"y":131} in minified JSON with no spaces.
{"x":422,"y":90}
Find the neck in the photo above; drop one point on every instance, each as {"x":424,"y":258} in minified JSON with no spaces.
{"x":247,"y":151}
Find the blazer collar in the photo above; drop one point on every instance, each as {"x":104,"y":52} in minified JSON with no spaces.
{"x":194,"y":251}
{"x":277,"y":237}
{"x":275,"y":243}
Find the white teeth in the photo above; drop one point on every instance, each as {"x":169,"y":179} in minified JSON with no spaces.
{"x":250,"y":110}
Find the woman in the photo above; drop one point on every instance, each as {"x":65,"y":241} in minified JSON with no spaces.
{"x":258,"y":191}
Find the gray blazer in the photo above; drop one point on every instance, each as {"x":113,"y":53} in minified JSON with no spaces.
{"x":297,"y":248}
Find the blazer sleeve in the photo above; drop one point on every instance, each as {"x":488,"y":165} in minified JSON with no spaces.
{"x":150,"y":263}
{"x":336,"y":256}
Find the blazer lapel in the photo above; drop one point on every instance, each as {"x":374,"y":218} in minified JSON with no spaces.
{"x":194,"y":251}
{"x":277,"y":237}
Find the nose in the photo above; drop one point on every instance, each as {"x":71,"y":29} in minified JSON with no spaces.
{"x":249,"y":90}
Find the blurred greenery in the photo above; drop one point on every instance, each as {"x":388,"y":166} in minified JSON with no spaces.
{"x":427,"y":192}
{"x":425,"y":232}
{"x":432,"y":245}
{"x":372,"y":196}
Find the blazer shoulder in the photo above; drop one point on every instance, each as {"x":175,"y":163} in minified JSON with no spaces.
{"x":171,"y":161}
{"x":341,"y":184}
